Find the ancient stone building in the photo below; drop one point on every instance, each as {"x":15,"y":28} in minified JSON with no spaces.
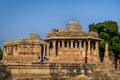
{"x":60,"y":56}
{"x":23,"y":50}
{"x":72,"y":44}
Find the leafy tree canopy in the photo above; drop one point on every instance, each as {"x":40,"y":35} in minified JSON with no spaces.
{"x":108,"y":31}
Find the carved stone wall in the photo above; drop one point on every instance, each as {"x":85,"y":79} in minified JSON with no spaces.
{"x":24,"y":49}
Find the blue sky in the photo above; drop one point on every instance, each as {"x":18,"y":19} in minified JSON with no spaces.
{"x":19,"y":18}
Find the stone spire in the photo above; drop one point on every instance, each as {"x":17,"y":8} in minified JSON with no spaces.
{"x":106,"y":56}
{"x":73,"y":26}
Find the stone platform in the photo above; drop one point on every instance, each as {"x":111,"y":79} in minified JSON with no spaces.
{"x":49,"y":71}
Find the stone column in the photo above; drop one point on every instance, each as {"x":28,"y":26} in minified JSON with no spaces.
{"x":85,"y":48}
{"x":96,"y":47}
{"x":67,"y":44}
{"x":63,"y":43}
{"x":92,"y":49}
{"x":106,"y":56}
{"x":44,"y":54}
{"x":15,"y":51}
{"x":54,"y":47}
{"x":96,"y":54}
{"x":88,"y":52}
{"x":40,"y":50}
{"x":106,"y":49}
{"x":80,"y":47}
{"x":80,"y":44}
{"x":75,"y":44}
{"x":48,"y":54}
{"x":71,"y":43}
{"x":5,"y":51}
{"x":58,"y":44}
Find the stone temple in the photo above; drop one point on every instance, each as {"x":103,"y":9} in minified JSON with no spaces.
{"x":62,"y":55}
{"x":69,"y":45}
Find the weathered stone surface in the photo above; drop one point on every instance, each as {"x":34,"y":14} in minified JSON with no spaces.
{"x":69,"y":46}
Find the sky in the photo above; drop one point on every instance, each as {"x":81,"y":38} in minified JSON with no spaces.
{"x":19,"y":18}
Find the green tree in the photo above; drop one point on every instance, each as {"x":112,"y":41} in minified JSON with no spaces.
{"x":116,"y":48}
{"x":108,"y":31}
{"x":1,"y":53}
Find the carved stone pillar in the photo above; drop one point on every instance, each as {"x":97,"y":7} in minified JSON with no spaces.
{"x":80,"y":44}
{"x":15,"y":49}
{"x":106,"y":55}
{"x":67,"y":44}
{"x":96,"y":54}
{"x":96,"y":46}
{"x":44,"y":54}
{"x":71,"y":43}
{"x":54,"y":47}
{"x":92,"y":48}
{"x":85,"y":48}
{"x":40,"y":50}
{"x":75,"y":44}
{"x":58,"y":44}
{"x":88,"y":52}
{"x":63,"y":44}
{"x":106,"y":49}
{"x":5,"y":51}
{"x":48,"y":54}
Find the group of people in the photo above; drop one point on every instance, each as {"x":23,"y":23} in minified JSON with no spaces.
{"x":45,"y":58}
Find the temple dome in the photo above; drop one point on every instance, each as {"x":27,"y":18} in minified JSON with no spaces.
{"x":73,"y":26}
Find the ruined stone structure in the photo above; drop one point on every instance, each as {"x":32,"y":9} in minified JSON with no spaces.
{"x":69,"y":45}
{"x":24,"y":49}
{"x":62,"y":55}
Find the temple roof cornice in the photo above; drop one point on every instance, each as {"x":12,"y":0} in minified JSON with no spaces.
{"x":81,"y":38}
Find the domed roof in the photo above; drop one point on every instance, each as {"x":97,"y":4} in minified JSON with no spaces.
{"x":73,"y":26}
